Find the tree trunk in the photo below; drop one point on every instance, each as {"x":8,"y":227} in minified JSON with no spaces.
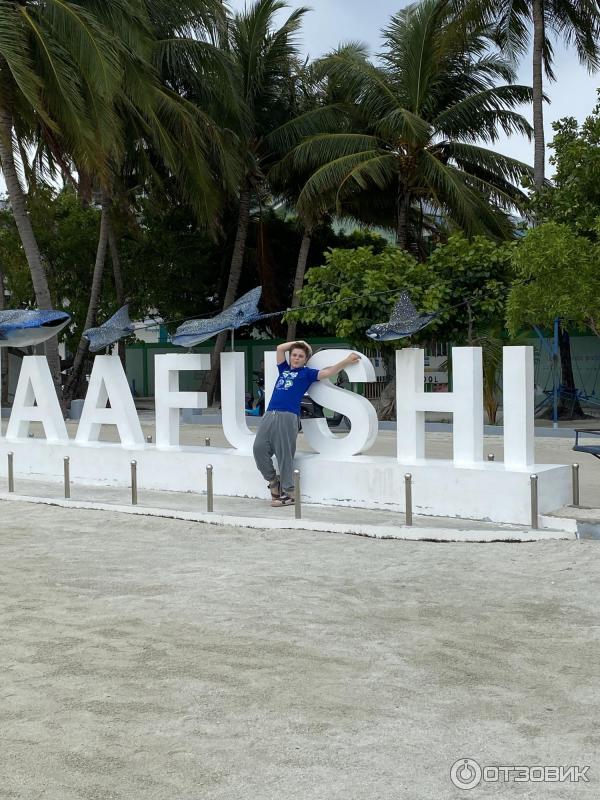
{"x":568,"y":408}
{"x":118,"y":276}
{"x":539,"y":34}
{"x":3,"y":353}
{"x":402,"y":220}
{"x":235,"y":272}
{"x":90,"y":320}
{"x":27,"y":236}
{"x":299,"y":280}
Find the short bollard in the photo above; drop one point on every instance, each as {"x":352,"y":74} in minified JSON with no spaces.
{"x":575,"y":473}
{"x":67,"y":471}
{"x":149,"y":439}
{"x":207,"y":441}
{"x":297,"y":498}
{"x":408,"y":519}
{"x":209,"y":487}
{"x":11,"y":472}
{"x":491,"y":457}
{"x":534,"y":502}
{"x":134,"y":484}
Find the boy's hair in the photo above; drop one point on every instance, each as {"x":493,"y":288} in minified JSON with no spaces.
{"x":306,"y":349}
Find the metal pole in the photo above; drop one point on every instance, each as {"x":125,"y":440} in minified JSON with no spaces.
{"x":575,"y":473}
{"x":408,"y":517}
{"x":534,"y":502}
{"x":134,"y":484}
{"x":298,"y":499}
{"x":207,"y":441}
{"x":209,"y":487}
{"x":11,"y":472}
{"x":491,"y":457}
{"x":67,"y":471}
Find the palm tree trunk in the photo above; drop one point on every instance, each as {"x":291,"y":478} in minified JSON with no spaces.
{"x":3,"y":353}
{"x":567,"y":408}
{"x":27,"y":236}
{"x":299,"y":280}
{"x":118,"y":276}
{"x":235,"y":272}
{"x":402,"y":220}
{"x":82,"y":348}
{"x":539,"y":34}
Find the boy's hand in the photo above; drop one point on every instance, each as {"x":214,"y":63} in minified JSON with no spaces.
{"x":353,"y":358}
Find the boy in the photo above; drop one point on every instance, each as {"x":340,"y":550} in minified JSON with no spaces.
{"x":279,"y":426}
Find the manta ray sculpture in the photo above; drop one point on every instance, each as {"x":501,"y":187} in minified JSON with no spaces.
{"x":117,"y":327}
{"x":21,"y":328}
{"x":243,"y":312}
{"x":404,"y":321}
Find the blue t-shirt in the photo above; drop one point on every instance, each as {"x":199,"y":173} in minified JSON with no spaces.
{"x":291,"y":387}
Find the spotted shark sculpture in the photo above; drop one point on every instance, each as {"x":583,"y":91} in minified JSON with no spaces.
{"x":404,"y":321}
{"x":24,"y":328}
{"x":117,"y":327}
{"x":243,"y":312}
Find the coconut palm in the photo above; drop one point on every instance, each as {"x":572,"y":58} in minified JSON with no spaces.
{"x":416,"y":127}
{"x":535,"y":23}
{"x":163,"y":135}
{"x":263,"y":58}
{"x":56,"y":62}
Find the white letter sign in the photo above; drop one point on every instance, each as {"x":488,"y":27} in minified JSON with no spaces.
{"x":36,"y":401}
{"x":108,"y":383}
{"x":169,"y":399}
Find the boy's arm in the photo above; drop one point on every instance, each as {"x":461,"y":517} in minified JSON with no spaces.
{"x":283,"y":348}
{"x":329,"y":372}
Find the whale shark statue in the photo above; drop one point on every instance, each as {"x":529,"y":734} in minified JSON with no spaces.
{"x":25,"y":328}
{"x":117,"y":327}
{"x":404,"y":321}
{"x":243,"y":312}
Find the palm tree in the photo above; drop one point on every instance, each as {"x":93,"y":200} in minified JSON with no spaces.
{"x":56,"y":62}
{"x":575,"y":22}
{"x":415,"y":125}
{"x":161,"y":133}
{"x":263,"y":57}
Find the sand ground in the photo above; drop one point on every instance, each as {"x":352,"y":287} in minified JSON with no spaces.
{"x":149,"y":659}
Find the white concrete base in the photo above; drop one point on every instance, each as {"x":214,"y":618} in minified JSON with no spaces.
{"x":486,"y":491}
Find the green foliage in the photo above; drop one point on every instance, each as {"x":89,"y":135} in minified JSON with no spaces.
{"x":476,"y":276}
{"x":477,"y":270}
{"x":365,"y":278}
{"x":67,"y":234}
{"x":170,"y":264}
{"x":574,"y":196}
{"x":558,"y":276}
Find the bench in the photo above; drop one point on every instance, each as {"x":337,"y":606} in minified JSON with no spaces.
{"x":593,"y":449}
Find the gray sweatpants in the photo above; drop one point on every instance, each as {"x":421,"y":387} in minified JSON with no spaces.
{"x":277,"y":437}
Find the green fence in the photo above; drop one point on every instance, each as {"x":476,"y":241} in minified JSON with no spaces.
{"x":140,"y":361}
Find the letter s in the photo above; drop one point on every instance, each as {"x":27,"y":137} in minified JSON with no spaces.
{"x":360,"y":412}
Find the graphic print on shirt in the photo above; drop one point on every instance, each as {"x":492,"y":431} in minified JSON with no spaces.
{"x":286,"y":379}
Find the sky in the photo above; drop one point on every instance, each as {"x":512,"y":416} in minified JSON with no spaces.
{"x":333,"y":21}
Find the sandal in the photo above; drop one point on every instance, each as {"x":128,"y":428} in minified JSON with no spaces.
{"x":283,"y":500}
{"x":274,"y":487}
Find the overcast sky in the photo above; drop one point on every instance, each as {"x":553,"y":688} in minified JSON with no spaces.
{"x":333,"y":21}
